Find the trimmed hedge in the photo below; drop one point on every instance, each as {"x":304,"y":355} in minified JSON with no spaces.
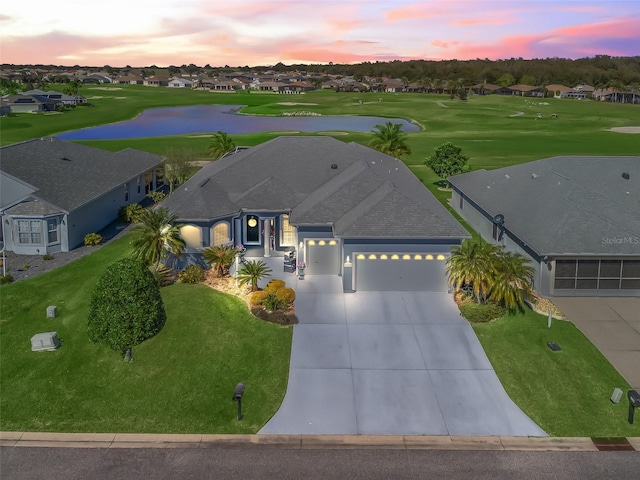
{"x":481,"y":312}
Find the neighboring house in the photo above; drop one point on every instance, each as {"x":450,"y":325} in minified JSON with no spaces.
{"x":180,"y":82}
{"x":577,"y":219}
{"x":57,"y":96}
{"x":559,"y":91}
{"x":485,"y":88}
{"x":522,"y":90}
{"x":129,"y":80}
{"x":31,"y":103}
{"x":346,"y":210}
{"x":55,"y":192}
{"x":156,"y":81}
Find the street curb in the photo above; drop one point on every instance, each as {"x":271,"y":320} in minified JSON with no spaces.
{"x":299,"y":442}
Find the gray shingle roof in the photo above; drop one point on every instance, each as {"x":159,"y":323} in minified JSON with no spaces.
{"x":69,"y":175}
{"x":321,"y":180}
{"x":564,"y":205}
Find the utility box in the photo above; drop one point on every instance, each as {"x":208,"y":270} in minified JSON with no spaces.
{"x":51,"y":311}
{"x":45,"y":341}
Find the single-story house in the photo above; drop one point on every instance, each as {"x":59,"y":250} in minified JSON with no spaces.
{"x":485,"y":88}
{"x":31,"y":103}
{"x":54,"y":95}
{"x":344,"y":209}
{"x":577,"y":219}
{"x":522,"y":90}
{"x":129,"y":80}
{"x":156,"y":81}
{"x":180,"y":82}
{"x":560,"y":91}
{"x":54,"y":192}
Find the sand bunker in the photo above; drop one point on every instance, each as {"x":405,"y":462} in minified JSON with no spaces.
{"x":295,"y":103}
{"x":105,"y":88}
{"x":625,"y":129}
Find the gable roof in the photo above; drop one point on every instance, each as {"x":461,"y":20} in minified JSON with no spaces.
{"x":68,"y":175}
{"x":358,"y":191}
{"x":564,"y":205}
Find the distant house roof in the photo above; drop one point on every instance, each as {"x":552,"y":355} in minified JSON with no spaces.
{"x":360,"y":192}
{"x":559,"y":88}
{"x":564,"y":205}
{"x":523,"y":88}
{"x":67,"y":174}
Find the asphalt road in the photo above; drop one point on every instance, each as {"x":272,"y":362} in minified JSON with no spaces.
{"x":17,"y":463}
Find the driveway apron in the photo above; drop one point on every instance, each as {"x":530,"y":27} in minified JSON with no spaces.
{"x":389,"y":363}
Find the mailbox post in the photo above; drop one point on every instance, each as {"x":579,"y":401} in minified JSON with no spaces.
{"x":237,"y":396}
{"x":634,"y":402}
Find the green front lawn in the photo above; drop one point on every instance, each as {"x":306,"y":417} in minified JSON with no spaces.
{"x":565,"y":392}
{"x":181,"y":381}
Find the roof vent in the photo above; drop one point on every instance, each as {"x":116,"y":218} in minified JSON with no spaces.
{"x":534,"y":175}
{"x":334,"y":166}
{"x":625,"y":175}
{"x":507,"y":176}
{"x":62,"y":157}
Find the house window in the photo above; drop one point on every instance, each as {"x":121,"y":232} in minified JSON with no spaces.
{"x":139,"y":184}
{"x":126,"y":192}
{"x":52,"y":231}
{"x":287,"y":232}
{"x":220,"y":233}
{"x":191,"y":236}
{"x":30,"y":232}
{"x":495,"y":232}
{"x":148,"y":182}
{"x":461,"y":202}
{"x":159,"y":176}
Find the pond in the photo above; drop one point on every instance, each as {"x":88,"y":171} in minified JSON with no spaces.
{"x":211,"y":118}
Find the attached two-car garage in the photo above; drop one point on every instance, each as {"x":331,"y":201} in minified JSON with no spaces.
{"x":407,"y":272}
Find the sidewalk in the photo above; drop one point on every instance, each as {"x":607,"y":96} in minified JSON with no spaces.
{"x":300,"y":442}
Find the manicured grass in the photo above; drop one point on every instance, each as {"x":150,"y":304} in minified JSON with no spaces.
{"x":566,"y":392}
{"x":181,"y":380}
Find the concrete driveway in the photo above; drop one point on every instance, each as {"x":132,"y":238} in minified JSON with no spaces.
{"x":389,"y":363}
{"x":613,"y":326}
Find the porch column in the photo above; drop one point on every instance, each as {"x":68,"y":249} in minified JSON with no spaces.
{"x":267,"y":237}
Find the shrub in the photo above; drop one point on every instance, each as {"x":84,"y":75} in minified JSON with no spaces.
{"x":274,"y":285}
{"x":481,"y":312}
{"x":131,"y":213}
{"x":258,"y":298}
{"x":286,"y":294}
{"x":47,"y":256}
{"x":192,"y":274}
{"x":164,"y":275}
{"x":156,"y":197}
{"x":26,"y":266}
{"x":272,"y":302}
{"x":6,"y":279}
{"x":92,"y":239}
{"x":126,"y":307}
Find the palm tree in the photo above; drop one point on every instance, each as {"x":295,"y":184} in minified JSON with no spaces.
{"x":390,"y":139}
{"x":220,"y":257}
{"x":156,"y":235}
{"x":253,"y":271}
{"x":513,"y":278}
{"x":221,"y":143}
{"x":472,"y":264}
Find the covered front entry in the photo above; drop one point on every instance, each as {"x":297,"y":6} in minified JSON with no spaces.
{"x":407,"y":272}
{"x":322,"y":256}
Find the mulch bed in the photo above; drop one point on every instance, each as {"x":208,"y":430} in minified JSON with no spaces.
{"x":228,"y":285}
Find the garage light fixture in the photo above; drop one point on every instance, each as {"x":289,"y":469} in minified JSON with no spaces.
{"x":417,"y":257}
{"x":440,"y":257}
{"x":332,"y":242}
{"x":311,"y":242}
{"x":322,"y":242}
{"x":372,"y":256}
{"x":428,"y":257}
{"x":384,"y":257}
{"x":252,"y":222}
{"x":347,"y":262}
{"x":406,"y":257}
{"x":360,"y":256}
{"x":395,"y":257}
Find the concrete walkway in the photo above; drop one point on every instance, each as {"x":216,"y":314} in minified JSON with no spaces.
{"x":380,"y":363}
{"x":612,"y":324}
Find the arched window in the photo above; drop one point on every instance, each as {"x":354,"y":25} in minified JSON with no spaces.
{"x":192,"y":236}
{"x":287,"y":232}
{"x":220,"y":234}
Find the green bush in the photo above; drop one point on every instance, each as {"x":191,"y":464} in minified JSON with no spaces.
{"x":6,"y":279}
{"x":131,"y":213}
{"x":274,"y":285}
{"x":156,"y":197}
{"x":47,"y":256}
{"x":92,"y":239}
{"x":126,"y":307}
{"x":272,"y":302}
{"x":258,"y":298}
{"x":286,"y":294}
{"x":481,"y":312}
{"x":164,"y":275}
{"x":192,"y":274}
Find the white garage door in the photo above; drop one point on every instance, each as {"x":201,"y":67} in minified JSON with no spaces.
{"x":406,"y":272}
{"x":322,"y":257}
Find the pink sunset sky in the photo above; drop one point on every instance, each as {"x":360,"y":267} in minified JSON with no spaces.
{"x":265,"y":32}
